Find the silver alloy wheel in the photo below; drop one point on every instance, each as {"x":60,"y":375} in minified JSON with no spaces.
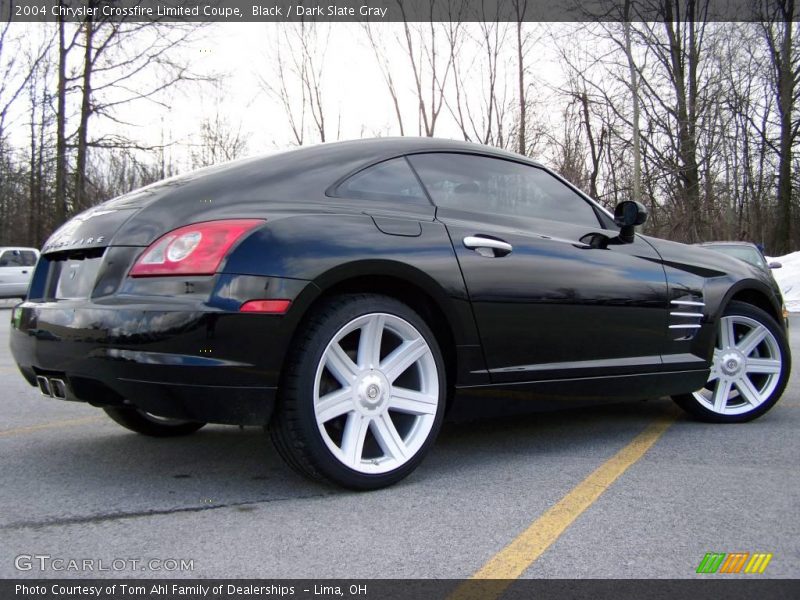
{"x":746,"y":367}
{"x":376,"y":393}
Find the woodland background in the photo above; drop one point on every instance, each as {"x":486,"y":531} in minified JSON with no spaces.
{"x":696,"y":119}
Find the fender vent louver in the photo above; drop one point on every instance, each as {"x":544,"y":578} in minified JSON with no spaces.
{"x":685,"y":316}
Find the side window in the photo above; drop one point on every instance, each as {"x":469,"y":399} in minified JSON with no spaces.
{"x":497,"y":186}
{"x":392,"y":180}
{"x":11,"y":258}
{"x":28,"y":258}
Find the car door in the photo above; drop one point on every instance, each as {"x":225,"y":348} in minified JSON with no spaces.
{"x":16,"y":268}
{"x":547,"y":304}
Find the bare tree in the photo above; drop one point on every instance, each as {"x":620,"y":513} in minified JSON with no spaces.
{"x":385,"y":67}
{"x":297,"y":78}
{"x":633,"y":82}
{"x":122,"y":63}
{"x":220,"y":140}
{"x":20,"y":62}
{"x":479,"y":107}
{"x":778,"y":28}
{"x":429,"y":53}
{"x":520,"y":9}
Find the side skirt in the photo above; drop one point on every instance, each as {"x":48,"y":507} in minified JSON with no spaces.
{"x":611,"y":388}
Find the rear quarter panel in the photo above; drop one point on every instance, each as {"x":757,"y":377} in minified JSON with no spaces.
{"x":328,"y":249}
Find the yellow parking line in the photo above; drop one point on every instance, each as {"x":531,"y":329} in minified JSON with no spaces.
{"x":514,"y":559}
{"x":50,"y":425}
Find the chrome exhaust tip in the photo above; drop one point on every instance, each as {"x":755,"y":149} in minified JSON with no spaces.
{"x":58,"y":388}
{"x":44,"y":386}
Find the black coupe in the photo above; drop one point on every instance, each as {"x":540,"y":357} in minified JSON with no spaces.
{"x":345,"y":294}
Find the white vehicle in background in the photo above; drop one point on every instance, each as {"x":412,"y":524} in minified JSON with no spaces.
{"x":16,"y":270}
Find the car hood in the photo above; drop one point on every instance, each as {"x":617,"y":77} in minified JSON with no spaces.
{"x":708,"y":263}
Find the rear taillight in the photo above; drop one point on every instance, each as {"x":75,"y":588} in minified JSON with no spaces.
{"x":192,"y":250}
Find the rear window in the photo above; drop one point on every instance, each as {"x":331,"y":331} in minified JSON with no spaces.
{"x":392,"y":180}
{"x":17,"y":258}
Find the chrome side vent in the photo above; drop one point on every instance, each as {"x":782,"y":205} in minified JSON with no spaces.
{"x":685,"y":317}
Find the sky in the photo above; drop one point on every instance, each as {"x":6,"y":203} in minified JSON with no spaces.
{"x":241,"y":54}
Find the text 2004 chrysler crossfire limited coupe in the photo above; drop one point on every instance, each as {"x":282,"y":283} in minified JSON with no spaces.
{"x":345,"y":293}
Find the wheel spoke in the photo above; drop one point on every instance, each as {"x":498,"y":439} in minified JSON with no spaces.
{"x":412,"y":402}
{"x":388,"y":437}
{"x":334,"y":404}
{"x":763,"y":365}
{"x":340,"y":365}
{"x":749,"y":342}
{"x":748,"y":390}
{"x":369,"y":345}
{"x":714,"y":373}
{"x":403,"y":357}
{"x":726,"y":335}
{"x":355,"y":431}
{"x":721,"y":394}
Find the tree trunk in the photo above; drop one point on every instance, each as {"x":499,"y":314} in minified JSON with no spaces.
{"x":61,"y":119}
{"x":634,"y":85}
{"x":33,"y":215}
{"x":81,"y":201}
{"x":685,"y":86}
{"x":522,"y":142}
{"x":784,"y":232}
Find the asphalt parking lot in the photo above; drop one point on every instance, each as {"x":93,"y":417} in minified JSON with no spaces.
{"x":77,"y":486}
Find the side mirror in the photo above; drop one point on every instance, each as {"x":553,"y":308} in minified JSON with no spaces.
{"x":627,"y":215}
{"x":775,"y":265}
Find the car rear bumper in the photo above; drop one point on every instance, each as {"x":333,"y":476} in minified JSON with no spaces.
{"x":202,"y":365}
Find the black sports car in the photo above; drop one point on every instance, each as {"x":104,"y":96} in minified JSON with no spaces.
{"x":345,"y":294}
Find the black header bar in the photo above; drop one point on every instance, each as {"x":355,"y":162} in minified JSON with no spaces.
{"x":381,"y":11}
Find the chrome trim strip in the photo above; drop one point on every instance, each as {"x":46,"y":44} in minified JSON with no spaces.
{"x":687,"y":303}
{"x":633,"y":361}
{"x":685,"y":326}
{"x":686,"y":314}
{"x":685,"y":357}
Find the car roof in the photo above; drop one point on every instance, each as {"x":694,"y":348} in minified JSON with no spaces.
{"x":301,"y":172}
{"x":388,"y":146}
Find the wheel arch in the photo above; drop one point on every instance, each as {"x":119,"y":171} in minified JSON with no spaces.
{"x":756,"y":294}
{"x":404,"y":283}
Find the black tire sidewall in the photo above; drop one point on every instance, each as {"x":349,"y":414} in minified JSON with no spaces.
{"x":337,"y":315}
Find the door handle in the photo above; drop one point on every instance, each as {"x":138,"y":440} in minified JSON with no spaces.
{"x":24,"y":272}
{"x":489,"y":247}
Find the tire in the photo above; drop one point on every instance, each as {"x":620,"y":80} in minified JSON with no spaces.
{"x":364,"y":393}
{"x":151,"y":425}
{"x":752,"y":364}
